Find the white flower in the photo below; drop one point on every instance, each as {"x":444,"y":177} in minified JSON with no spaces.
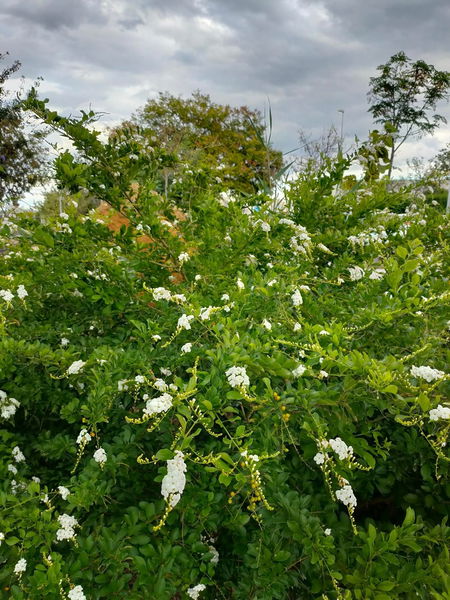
{"x":20,"y":566}
{"x":2,"y":537}
{"x":6,"y":295}
{"x":186,"y":348}
{"x":225,"y":297}
{"x":237,"y":377}
{"x":157,"y":405}
{"x":63,"y":491}
{"x":180,"y":298}
{"x":346,"y":496}
{"x":267,"y":324}
{"x":297,"y":298}
{"x":240,"y":283}
{"x":356,"y":273}
{"x":161,"y":293}
{"x":100,"y":456}
{"x":225,"y":199}
{"x":184,"y":322}
{"x":64,"y":342}
{"x":323,"y":374}
{"x":298,"y":371}
{"x":327,"y":531}
{"x":75,"y":367}
{"x":172,"y":485}
{"x":324,"y":332}
{"x":83,"y":437}
{"x":183,"y":257}
{"x":166,"y":372}
{"x":12,"y":469}
{"x":122,"y":385}
{"x":8,"y":406}
{"x":139,"y":379}
{"x":18,"y":454}
{"x":197,"y":277}
{"x":36,"y":479}
{"x":156,"y":337}
{"x":297,"y":326}
{"x":67,"y":528}
{"x":160,"y":385}
{"x":22,"y":292}
{"x":205,"y":313}
{"x":427,"y":373}
{"x":265,"y":226}
{"x":195,"y":591}
{"x":377,"y":274}
{"x":271,"y":282}
{"x":76,"y":593}
{"x":341,"y":448}
{"x":441,"y":412}
{"x":319,"y":458}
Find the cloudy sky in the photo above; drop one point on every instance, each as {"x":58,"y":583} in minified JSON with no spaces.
{"x":308,"y":57}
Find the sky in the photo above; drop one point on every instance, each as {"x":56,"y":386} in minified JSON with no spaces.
{"x":308,"y":58}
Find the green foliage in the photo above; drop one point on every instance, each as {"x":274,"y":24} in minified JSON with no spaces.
{"x":327,"y":300}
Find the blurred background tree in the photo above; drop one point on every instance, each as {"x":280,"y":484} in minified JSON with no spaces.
{"x":231,"y":145}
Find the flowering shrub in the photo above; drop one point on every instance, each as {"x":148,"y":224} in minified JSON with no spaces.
{"x":269,"y":424}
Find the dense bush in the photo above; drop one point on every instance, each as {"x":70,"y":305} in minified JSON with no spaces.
{"x":244,"y":399}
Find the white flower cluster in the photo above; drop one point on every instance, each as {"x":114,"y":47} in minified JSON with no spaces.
{"x":158,"y":405}
{"x":301,"y":241}
{"x":63,"y":491}
{"x":377,"y":274}
{"x":426,"y":373}
{"x":185,"y":348}
{"x":7,"y":295}
{"x":67,"y":528}
{"x":2,"y":537}
{"x":240,"y":283}
{"x":356,"y":273}
{"x":18,"y":454}
{"x":346,"y":496}
{"x":340,"y":447}
{"x":83,"y":437}
{"x":194,"y":592}
{"x":8,"y":406}
{"x":183,"y":257}
{"x":299,"y":370}
{"x":205,"y":313}
{"x":267,"y":324}
{"x":237,"y":377}
{"x":161,"y":293}
{"x":20,"y":566}
{"x":76,"y":593}
{"x":100,"y":456}
{"x":373,"y":236}
{"x":441,"y":412}
{"x":225,"y":199}
{"x":184,"y":322}
{"x":22,"y":292}
{"x":172,"y":485}
{"x":75,"y":367}
{"x":297,"y":298}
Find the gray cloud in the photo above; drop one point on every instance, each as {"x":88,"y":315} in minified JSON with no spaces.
{"x":309,"y":57}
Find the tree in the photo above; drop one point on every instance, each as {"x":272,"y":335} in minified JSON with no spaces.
{"x":316,"y":151}
{"x":22,"y":162}
{"x":229,"y":143}
{"x":404,"y":95}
